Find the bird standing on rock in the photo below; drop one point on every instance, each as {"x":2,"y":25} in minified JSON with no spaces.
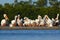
{"x":13,"y":22}
{"x":19,"y":21}
{"x":4,"y":22}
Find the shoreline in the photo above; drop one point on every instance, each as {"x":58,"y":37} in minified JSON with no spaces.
{"x":30,"y":28}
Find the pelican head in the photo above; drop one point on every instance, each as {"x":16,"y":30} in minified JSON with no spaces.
{"x":25,"y":18}
{"x":4,"y":15}
{"x":57,"y":14}
{"x":18,"y":16}
{"x":46,"y":17}
{"x":39,"y":17}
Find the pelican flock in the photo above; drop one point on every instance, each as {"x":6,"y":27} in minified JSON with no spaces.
{"x":26,"y":22}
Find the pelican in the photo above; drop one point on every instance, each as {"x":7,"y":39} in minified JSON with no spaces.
{"x":53,"y":21}
{"x":14,"y":22}
{"x":27,"y":22}
{"x":19,"y":21}
{"x":4,"y":22}
{"x":41,"y":22}
{"x":57,"y":20}
{"x":38,"y":20}
{"x":48,"y":21}
{"x":33,"y":23}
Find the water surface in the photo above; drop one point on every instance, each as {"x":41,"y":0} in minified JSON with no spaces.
{"x":29,"y":34}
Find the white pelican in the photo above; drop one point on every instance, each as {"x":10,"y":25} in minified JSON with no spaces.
{"x":38,"y":20}
{"x":4,"y":21}
{"x":57,"y":20}
{"x":48,"y":21}
{"x":41,"y":22}
{"x":53,"y":21}
{"x":33,"y":23}
{"x":19,"y":21}
{"x":14,"y":22}
{"x":27,"y":22}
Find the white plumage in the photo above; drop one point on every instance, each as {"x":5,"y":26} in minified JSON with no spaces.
{"x":3,"y":22}
{"x":42,"y":22}
{"x":48,"y":21}
{"x":27,"y":21}
{"x":19,"y":21}
{"x":13,"y":22}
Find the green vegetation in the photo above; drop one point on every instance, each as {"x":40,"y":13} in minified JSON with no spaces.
{"x":26,"y":9}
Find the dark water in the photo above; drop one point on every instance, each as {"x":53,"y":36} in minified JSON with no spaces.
{"x":29,"y":34}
